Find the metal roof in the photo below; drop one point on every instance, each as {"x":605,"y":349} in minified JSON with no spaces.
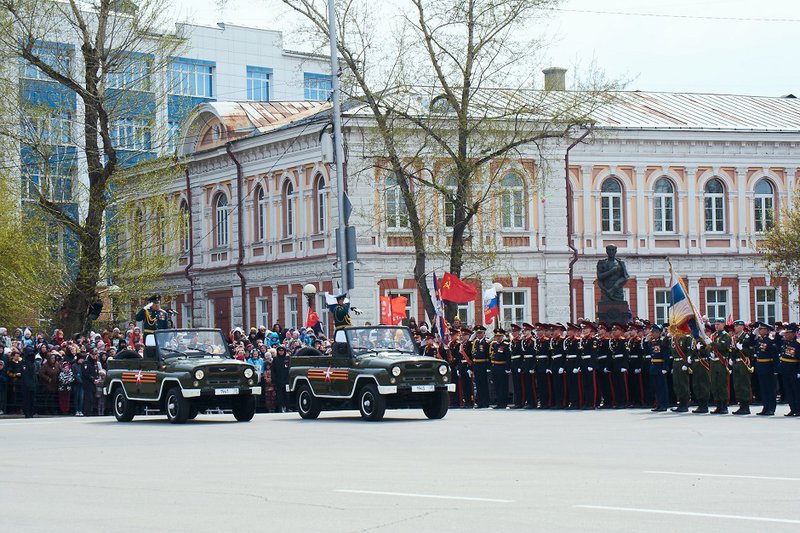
{"x":260,"y":117}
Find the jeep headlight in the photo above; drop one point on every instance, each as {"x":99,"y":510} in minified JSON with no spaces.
{"x":396,"y":371}
{"x":199,"y":374}
{"x":248,"y":373}
{"x":442,"y":369}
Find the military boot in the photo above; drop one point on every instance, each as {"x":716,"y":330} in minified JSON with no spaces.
{"x":702,"y":408}
{"x":744,"y":409}
{"x":721,"y":409}
{"x":681,"y":408}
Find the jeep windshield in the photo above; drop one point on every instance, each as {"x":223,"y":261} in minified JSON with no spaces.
{"x":191,"y":343}
{"x":376,"y":340}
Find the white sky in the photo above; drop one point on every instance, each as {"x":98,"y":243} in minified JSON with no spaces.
{"x":657,"y":53}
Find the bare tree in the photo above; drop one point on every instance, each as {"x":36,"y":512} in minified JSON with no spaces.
{"x":454,"y":81}
{"x":99,"y":58}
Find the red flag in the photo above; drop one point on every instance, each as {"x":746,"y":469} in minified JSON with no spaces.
{"x":313,"y":319}
{"x":729,"y":322}
{"x":386,"y":310}
{"x":453,"y":289}
{"x":398,"y":309}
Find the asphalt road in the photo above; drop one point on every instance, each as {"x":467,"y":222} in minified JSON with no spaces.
{"x":472,"y":471}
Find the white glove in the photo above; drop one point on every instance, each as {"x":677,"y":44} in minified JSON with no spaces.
{"x":148,"y":306}
{"x":798,"y":376}
{"x":469,"y":373}
{"x":663,"y":371}
{"x":738,"y":345}
{"x":530,"y":372}
{"x":489,"y":371}
{"x":637,"y":371}
{"x":684,"y":368}
{"x":623,"y":370}
{"x":575,"y":370}
{"x":590,"y":369}
{"x":560,"y":370}
{"x":548,"y":371}
{"x":605,"y":371}
{"x":730,"y":362}
{"x":689,"y":360}
{"x":697,"y":345}
{"x":508,"y":371}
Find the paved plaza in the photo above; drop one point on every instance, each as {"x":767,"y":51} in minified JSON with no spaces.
{"x":627,"y":470}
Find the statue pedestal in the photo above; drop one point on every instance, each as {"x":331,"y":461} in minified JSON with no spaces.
{"x":611,"y":312}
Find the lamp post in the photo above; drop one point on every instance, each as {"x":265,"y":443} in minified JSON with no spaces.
{"x":113,"y":292}
{"x":310,"y":290}
{"x":498,"y":288}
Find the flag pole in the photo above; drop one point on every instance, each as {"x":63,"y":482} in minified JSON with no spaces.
{"x":700,"y":327}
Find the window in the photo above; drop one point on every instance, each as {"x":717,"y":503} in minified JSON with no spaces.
{"x":261,"y":215}
{"x":55,"y":55}
{"x":129,"y":71}
{"x":767,"y":305}
{"x":449,"y":210}
{"x":52,"y":129}
{"x":289,"y":206}
{"x":714,"y":202}
{"x":396,"y":211}
{"x":717,"y":304}
{"x":183,"y":212}
{"x":186,"y":315}
{"x":54,"y":187}
{"x":611,"y":205}
{"x":512,"y":202}
{"x":262,"y":312}
{"x":764,"y":204}
{"x":258,"y":83}
{"x":466,"y":312}
{"x":512,"y":306}
{"x":189,"y":77}
{"x":664,"y":207}
{"x":221,"y":220}
{"x":173,"y":135}
{"x":291,"y":311}
{"x":317,"y":86}
{"x":131,"y":134}
{"x":663,"y":301}
{"x":321,"y":200}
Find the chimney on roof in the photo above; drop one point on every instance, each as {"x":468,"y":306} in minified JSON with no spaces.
{"x":554,"y":79}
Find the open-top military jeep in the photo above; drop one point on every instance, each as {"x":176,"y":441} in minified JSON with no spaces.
{"x":370,"y":368}
{"x":183,"y":372}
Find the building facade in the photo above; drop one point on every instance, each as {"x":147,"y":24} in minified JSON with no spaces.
{"x":696,"y":179}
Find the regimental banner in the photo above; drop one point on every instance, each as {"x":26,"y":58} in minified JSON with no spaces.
{"x":328,"y":374}
{"x":139,"y":377}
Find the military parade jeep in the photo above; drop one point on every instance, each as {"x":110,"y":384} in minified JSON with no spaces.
{"x":370,"y":368}
{"x":183,"y":372}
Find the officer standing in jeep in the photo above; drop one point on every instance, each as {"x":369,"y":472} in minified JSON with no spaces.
{"x":152,"y":316}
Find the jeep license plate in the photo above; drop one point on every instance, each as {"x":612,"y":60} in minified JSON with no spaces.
{"x":422,"y":388}
{"x":226,"y":392}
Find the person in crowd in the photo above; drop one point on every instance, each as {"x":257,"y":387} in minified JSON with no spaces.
{"x":100,"y":398}
{"x":29,"y":381}
{"x":280,"y":377}
{"x":90,"y":379}
{"x":3,"y":385}
{"x":65,"y":379}
{"x":77,"y":383}
{"x":48,"y":381}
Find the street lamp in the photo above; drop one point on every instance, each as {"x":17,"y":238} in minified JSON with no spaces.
{"x":498,"y":288}
{"x":310,"y":290}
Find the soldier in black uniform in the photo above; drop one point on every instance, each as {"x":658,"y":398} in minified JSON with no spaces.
{"x":544,"y":388}
{"x":619,"y":366}
{"x":500,"y":355}
{"x":465,"y":370}
{"x":517,"y":376}
{"x":152,"y":316}
{"x":453,"y":358}
{"x":572,"y":365}
{"x":636,"y":380}
{"x":588,"y":353}
{"x":766,"y":352}
{"x":604,"y":365}
{"x":528,"y":343}
{"x":558,"y":373}
{"x":658,"y":348}
{"x":479,"y":353}
{"x":789,"y":369}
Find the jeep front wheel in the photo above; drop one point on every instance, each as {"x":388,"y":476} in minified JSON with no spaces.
{"x":371,"y":404}
{"x":436,"y":406}
{"x":244,"y":409}
{"x":124,"y":409}
{"x":308,"y":405}
{"x":176,"y":406}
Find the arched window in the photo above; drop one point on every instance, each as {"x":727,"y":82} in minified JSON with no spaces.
{"x":396,"y":211}
{"x":611,"y":205}
{"x":221,"y":220}
{"x":289,"y":207}
{"x":664,"y":206}
{"x":261,"y":215}
{"x":714,"y":202}
{"x":183,"y":213}
{"x":512,"y":201}
{"x":764,"y":206}
{"x":321,"y":204}
{"x":449,"y":210}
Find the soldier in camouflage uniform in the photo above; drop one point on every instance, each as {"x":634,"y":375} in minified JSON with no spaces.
{"x":681,"y":368}
{"x":720,"y":351}
{"x":742,"y":367}
{"x":701,"y":377}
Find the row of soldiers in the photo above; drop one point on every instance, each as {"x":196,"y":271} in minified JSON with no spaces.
{"x":589,"y":365}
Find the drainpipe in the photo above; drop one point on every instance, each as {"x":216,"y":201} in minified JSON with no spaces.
{"x":190,"y":264}
{"x":240,"y":220}
{"x":571,"y":222}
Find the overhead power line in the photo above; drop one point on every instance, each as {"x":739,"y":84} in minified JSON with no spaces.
{"x":673,"y":16}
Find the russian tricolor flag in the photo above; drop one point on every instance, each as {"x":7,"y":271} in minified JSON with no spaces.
{"x":683,"y":316}
{"x":491,"y":305}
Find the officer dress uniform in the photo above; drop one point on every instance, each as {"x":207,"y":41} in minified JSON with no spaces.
{"x":636,"y":380}
{"x":659,"y":352}
{"x":544,"y":379}
{"x":766,"y":354}
{"x":152,"y":319}
{"x":572,"y":369}
{"x":558,"y":376}
{"x":341,"y":313}
{"x":479,"y":352}
{"x":465,"y":370}
{"x":500,"y":356}
{"x":454,"y":357}
{"x":718,"y":360}
{"x":788,"y":368}
{"x":603,"y":370}
{"x":619,"y":371}
{"x":528,"y":345}
{"x":517,"y":364}
{"x":701,"y":377}
{"x":742,"y":370}
{"x":681,"y":367}
{"x":588,"y":352}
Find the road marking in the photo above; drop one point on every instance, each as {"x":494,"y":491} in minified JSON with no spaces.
{"x":697,"y":474}
{"x":686,"y":513}
{"x":429,"y":496}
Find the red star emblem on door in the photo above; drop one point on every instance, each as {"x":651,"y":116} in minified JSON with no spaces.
{"x":139,"y":377}
{"x":328,"y":374}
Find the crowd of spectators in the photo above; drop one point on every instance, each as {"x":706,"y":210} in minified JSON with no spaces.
{"x":54,"y":375}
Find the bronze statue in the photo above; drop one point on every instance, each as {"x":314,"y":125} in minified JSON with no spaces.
{"x":611,"y":276}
